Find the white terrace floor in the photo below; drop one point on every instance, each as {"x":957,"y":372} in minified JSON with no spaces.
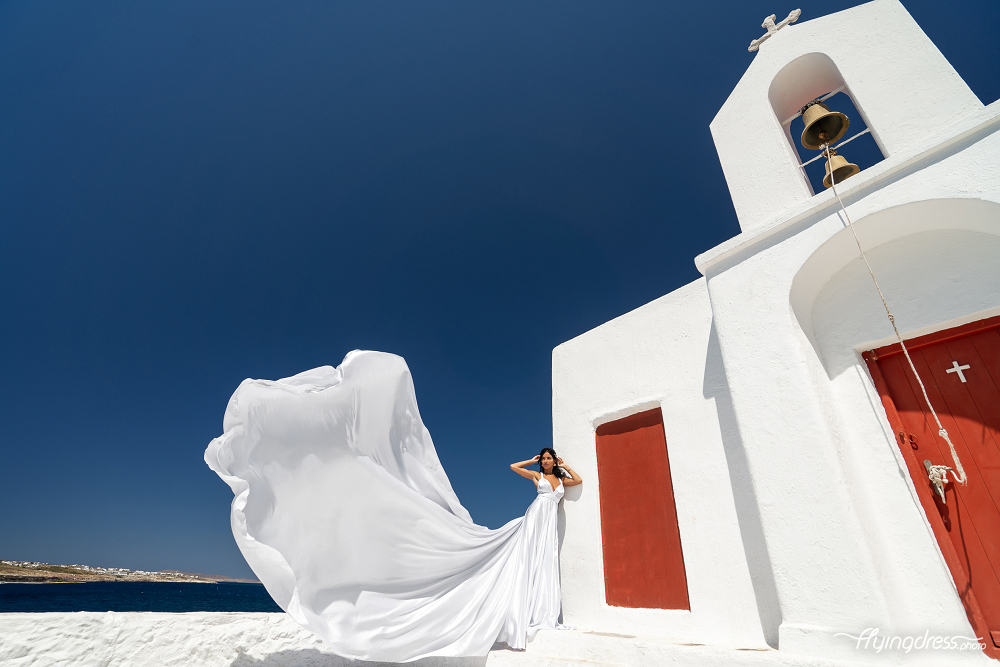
{"x":273,"y":640}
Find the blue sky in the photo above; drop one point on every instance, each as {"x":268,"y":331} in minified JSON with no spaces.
{"x":192,"y":193}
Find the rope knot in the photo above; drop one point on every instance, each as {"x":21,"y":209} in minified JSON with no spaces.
{"x":960,"y":472}
{"x":938,"y":476}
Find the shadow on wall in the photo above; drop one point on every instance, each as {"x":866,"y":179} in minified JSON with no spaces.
{"x":572,"y":495}
{"x":315,"y":658}
{"x":747,"y":509}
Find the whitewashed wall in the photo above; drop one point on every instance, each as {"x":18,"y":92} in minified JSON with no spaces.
{"x":758,"y":370}
{"x":660,"y":355}
{"x":794,"y":307}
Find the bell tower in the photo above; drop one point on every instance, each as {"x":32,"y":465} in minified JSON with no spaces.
{"x":903,"y":87}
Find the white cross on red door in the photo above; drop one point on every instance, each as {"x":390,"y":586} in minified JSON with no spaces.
{"x":958,"y":369}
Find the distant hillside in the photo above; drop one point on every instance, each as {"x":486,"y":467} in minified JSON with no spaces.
{"x":33,"y":572}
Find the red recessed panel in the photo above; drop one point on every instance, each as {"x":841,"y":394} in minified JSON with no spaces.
{"x":643,"y":562}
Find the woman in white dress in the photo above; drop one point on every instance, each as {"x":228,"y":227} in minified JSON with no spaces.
{"x":345,"y":514}
{"x":540,"y":525}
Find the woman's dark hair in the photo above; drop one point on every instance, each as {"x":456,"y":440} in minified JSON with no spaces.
{"x":556,"y":470}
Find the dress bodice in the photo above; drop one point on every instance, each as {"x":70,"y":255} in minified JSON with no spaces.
{"x":547,"y":490}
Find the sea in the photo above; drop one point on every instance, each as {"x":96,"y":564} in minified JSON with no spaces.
{"x":135,"y":596}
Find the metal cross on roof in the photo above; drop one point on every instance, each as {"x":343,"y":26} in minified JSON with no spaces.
{"x":772,"y":28}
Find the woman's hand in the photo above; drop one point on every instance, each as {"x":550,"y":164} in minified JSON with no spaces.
{"x":559,"y":462}
{"x":536,"y":458}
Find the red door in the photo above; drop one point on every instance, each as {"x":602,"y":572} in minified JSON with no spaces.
{"x":643,"y":563}
{"x":961,"y":370}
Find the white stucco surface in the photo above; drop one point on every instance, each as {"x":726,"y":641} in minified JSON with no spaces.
{"x":758,"y":374}
{"x":199,"y":639}
{"x":660,"y":355}
{"x":794,"y":306}
{"x":849,"y":544}
{"x":273,"y":640}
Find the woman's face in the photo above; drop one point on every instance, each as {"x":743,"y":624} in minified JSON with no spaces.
{"x":547,"y":461}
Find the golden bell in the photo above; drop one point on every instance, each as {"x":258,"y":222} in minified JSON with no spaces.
{"x":841,"y":169}
{"x":819,"y":120}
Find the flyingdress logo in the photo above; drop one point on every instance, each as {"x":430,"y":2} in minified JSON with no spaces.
{"x":870,"y":640}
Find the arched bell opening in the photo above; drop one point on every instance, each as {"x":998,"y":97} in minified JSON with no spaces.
{"x":814,"y":79}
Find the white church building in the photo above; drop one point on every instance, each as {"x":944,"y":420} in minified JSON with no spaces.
{"x":791,"y":513}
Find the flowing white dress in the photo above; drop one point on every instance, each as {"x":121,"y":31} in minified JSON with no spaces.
{"x":345,"y":514}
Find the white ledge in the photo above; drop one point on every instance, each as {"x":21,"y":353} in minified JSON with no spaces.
{"x":737,"y":248}
{"x":204,"y":639}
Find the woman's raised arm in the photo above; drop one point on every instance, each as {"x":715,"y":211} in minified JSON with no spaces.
{"x":530,"y":474}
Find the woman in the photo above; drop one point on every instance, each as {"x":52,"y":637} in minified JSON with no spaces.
{"x":542,"y":604}
{"x":345,"y":514}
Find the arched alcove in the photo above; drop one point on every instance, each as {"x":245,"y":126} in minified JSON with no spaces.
{"x":935,"y":261}
{"x":800,"y":81}
{"x":803,"y":79}
{"x":815,"y":76}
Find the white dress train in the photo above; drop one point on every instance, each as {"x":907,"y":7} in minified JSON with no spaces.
{"x":345,"y":514}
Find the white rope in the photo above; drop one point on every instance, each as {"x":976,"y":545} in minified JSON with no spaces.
{"x":845,"y":141}
{"x":959,"y":470}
